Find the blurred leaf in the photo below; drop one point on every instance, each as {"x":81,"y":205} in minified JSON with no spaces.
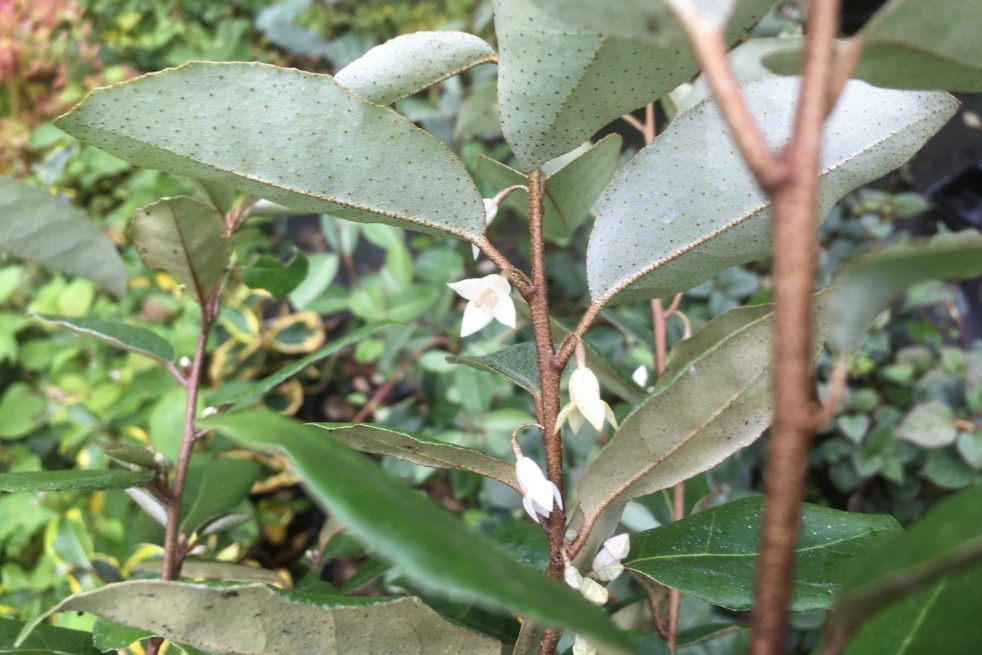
{"x":409,"y":63}
{"x":290,"y":622}
{"x":276,"y":277}
{"x":186,"y":238}
{"x":335,"y":153}
{"x":120,"y":335}
{"x":45,"y":640}
{"x":43,"y":228}
{"x":570,"y":192}
{"x":220,"y":196}
{"x":412,"y":532}
{"x":494,"y":624}
{"x":322,"y":268}
{"x":928,"y":425}
{"x":214,"y":488}
{"x":296,"y":333}
{"x":192,"y":569}
{"x":126,"y":454}
{"x":21,"y":410}
{"x":258,"y":389}
{"x":559,"y":83}
{"x":420,"y":450}
{"x":109,"y":635}
{"x":73,"y":479}
{"x":686,"y":207}
{"x":925,"y":582}
{"x":874,"y":280}
{"x":517,"y":362}
{"x":712,"y":555}
{"x":652,"y":21}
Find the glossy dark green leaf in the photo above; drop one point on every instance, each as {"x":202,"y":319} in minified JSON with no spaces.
{"x":215,"y":487}
{"x":421,"y":450}
{"x":298,"y":139}
{"x":120,"y":335}
{"x":275,"y":276}
{"x":409,"y":63}
{"x":259,"y":620}
{"x":558,"y":82}
{"x":496,"y":625}
{"x":874,"y":280}
{"x":72,"y":479}
{"x":186,"y":238}
{"x":108,"y":635}
{"x":45,"y":640}
{"x":570,"y":192}
{"x":256,"y":391}
{"x":518,"y":362}
{"x":43,"y":228}
{"x":412,"y":532}
{"x":686,"y":207}
{"x":902,"y":48}
{"x":712,"y":554}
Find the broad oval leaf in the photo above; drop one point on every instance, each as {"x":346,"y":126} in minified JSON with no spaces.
{"x":570,"y":192}
{"x":258,"y":620}
{"x":73,"y":479}
{"x":421,"y":450}
{"x":298,"y":139}
{"x":186,"y":238}
{"x":872,"y":281}
{"x":686,"y":207}
{"x":412,"y":532}
{"x":133,"y":338}
{"x":518,"y":362}
{"x":901,"y":48}
{"x":409,"y":63}
{"x":43,"y":228}
{"x":558,"y":83}
{"x":718,"y":402}
{"x":213,"y":488}
{"x":712,"y":554}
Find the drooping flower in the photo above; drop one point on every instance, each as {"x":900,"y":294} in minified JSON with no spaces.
{"x":539,"y":492}
{"x":585,"y":403}
{"x":489,"y":298}
{"x":594,"y":592}
{"x":490,"y":211}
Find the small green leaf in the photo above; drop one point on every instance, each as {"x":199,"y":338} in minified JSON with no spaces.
{"x":409,"y":63}
{"x":258,"y":389}
{"x":559,"y":82}
{"x":874,"y":280}
{"x":22,"y":409}
{"x":43,"y":228}
{"x":300,"y":139}
{"x":259,"y":620}
{"x":928,"y":425}
{"x":110,"y":636}
{"x":45,"y":640}
{"x":420,"y":450}
{"x":518,"y":362}
{"x":134,"y":338}
{"x":570,"y":192}
{"x":214,"y":488}
{"x":127,"y":454}
{"x":686,"y":207}
{"x":276,"y":277}
{"x":412,"y":532}
{"x":72,"y":479}
{"x":186,"y":238}
{"x":712,"y":554}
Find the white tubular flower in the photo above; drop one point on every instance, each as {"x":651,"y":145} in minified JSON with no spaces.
{"x":585,"y":403}
{"x":490,"y":211}
{"x":607,"y":564}
{"x":572,"y":576}
{"x":594,"y":592}
{"x":581,"y":647}
{"x":539,"y":492}
{"x":489,"y":298}
{"x":640,"y":376}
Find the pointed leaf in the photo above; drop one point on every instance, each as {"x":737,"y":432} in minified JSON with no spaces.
{"x":570,"y":192}
{"x":409,"y":63}
{"x":214,"y":488}
{"x":186,"y":238}
{"x":256,"y":391}
{"x":712,"y":554}
{"x":713,"y":407}
{"x":421,"y":450}
{"x":73,"y":479}
{"x":200,"y":569}
{"x":559,"y":83}
{"x":134,"y":338}
{"x":873,"y":281}
{"x":901,"y":48}
{"x":43,"y":228}
{"x":298,"y":139}
{"x":412,"y":532}
{"x":494,"y":624}
{"x":686,"y":208}
{"x":257,"y":620}
{"x":518,"y":362}
{"x":279,"y":278}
